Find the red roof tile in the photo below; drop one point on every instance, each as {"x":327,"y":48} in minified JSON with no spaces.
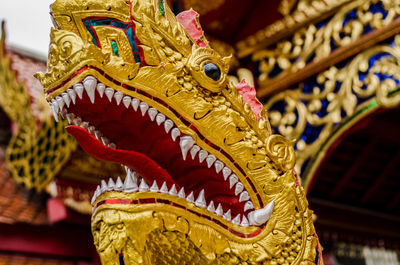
{"x":18,"y":205}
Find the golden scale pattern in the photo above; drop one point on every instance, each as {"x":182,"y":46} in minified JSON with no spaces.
{"x":39,"y":148}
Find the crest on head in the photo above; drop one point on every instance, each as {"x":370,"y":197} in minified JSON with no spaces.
{"x":204,"y":173}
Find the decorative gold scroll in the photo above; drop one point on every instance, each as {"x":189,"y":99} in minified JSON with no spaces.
{"x":372,"y":77}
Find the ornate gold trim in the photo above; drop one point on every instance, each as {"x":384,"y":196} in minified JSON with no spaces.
{"x":334,"y":96}
{"x":310,"y":50}
{"x":309,"y":174}
{"x":36,"y":137}
{"x":315,"y":10}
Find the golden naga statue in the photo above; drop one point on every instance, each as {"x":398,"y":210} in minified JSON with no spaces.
{"x":206,"y":181}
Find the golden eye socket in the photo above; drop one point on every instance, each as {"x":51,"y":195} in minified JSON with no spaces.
{"x":212,"y":71}
{"x":208,"y":69}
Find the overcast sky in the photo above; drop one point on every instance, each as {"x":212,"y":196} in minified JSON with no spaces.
{"x":27,"y":23}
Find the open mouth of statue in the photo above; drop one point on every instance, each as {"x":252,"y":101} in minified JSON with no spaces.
{"x":158,"y":158}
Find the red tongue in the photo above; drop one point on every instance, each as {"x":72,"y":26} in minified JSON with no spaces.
{"x":143,"y":165}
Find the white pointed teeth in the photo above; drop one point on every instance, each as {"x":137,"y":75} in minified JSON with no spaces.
{"x":193,"y":152}
{"x":104,"y":186}
{"x":160,"y":118}
{"x":238,"y":188}
{"x":236,"y":220}
{"x":143,"y":186}
{"x":111,"y":185}
{"x":181,"y":193}
{"x":85,"y":125}
{"x":70,"y":117}
{"x":244,"y":196}
{"x":168,"y":124}
{"x":218,"y":166}
{"x":227,"y":215}
{"x":60,"y":102}
{"x":72,"y":95}
{"x":244,"y":222}
{"x":78,"y":88}
{"x":143,"y":107}
{"x":164,"y":188}
{"x":261,"y":216}
{"x":210,"y":160}
{"x":118,"y":97}
{"x":202,"y":155}
{"x":186,"y":143}
{"x":219,"y":210}
{"x":233,"y":179}
{"x":201,"y":200}
{"x":90,"y":86}
{"x":127,"y":101}
{"x":226,"y":172}
{"x":96,"y":194}
{"x":109,"y":93}
{"x":173,"y":191}
{"x":152,"y":113}
{"x":190,"y":197}
{"x":135,"y":103}
{"x":130,"y":184}
{"x":248,"y":206}
{"x":100,"y":89}
{"x":154,"y":187}
{"x":77,"y":121}
{"x":54,"y":109}
{"x":66,"y":99}
{"x":211,"y":207}
{"x":119,"y":186}
{"x":175,"y":133}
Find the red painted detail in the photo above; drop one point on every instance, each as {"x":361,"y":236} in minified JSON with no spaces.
{"x":187,"y":123}
{"x":137,"y":134}
{"x":56,"y":210}
{"x":249,"y":96}
{"x":167,"y":202}
{"x":190,"y":21}
{"x":139,"y":162}
{"x":68,"y":241}
{"x":319,"y":249}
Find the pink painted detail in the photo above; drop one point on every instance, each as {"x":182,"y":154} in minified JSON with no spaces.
{"x":249,"y":96}
{"x":190,"y":21}
{"x":56,"y":210}
{"x":14,"y":128}
{"x":297,"y":177}
{"x":319,"y":250}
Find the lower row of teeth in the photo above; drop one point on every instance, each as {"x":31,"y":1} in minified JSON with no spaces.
{"x":92,"y":87}
{"x":134,"y":183}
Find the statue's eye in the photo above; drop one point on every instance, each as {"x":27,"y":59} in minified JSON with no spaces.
{"x":212,"y":71}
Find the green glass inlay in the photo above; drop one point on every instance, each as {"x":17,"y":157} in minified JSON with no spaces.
{"x":115,"y":48}
{"x":161,"y":7}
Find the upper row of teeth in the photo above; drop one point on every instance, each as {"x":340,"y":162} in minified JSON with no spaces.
{"x":130,"y":185}
{"x":186,"y":143}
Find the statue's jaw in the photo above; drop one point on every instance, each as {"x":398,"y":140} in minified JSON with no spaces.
{"x":135,"y":232}
{"x":115,"y":127}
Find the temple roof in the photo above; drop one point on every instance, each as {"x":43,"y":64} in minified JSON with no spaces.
{"x":18,"y":205}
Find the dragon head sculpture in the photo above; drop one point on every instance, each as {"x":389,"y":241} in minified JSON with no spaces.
{"x":207,"y":182}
